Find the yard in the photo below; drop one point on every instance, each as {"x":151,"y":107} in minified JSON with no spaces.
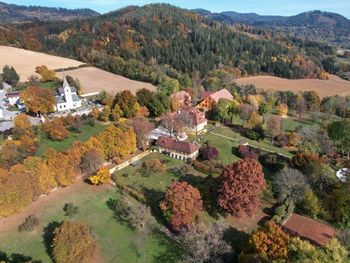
{"x":86,"y":132}
{"x":116,"y":241}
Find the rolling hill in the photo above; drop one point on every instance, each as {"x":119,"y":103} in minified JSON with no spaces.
{"x":313,"y":25}
{"x":16,"y":13}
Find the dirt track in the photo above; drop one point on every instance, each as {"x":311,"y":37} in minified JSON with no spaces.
{"x":334,"y":86}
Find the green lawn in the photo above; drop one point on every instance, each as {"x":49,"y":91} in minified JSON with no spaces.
{"x":48,"y":85}
{"x":86,"y":133}
{"x":116,"y":241}
{"x":226,"y":144}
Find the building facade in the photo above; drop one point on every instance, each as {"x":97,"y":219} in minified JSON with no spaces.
{"x":176,"y":149}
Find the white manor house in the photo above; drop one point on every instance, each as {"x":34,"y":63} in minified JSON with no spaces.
{"x":67,"y":97}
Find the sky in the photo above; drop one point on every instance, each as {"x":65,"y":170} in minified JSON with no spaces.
{"x":263,"y":7}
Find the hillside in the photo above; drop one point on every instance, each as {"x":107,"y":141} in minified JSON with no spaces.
{"x":314,"y":25}
{"x":17,"y":13}
{"x":167,"y":46}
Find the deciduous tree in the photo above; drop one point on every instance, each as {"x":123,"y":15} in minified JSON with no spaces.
{"x":181,"y":204}
{"x":38,"y":100}
{"x":73,"y":242}
{"x":101,"y":177}
{"x":241,"y":184}
{"x":142,"y":128}
{"x":274,"y":126}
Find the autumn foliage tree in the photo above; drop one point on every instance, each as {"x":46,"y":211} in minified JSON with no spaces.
{"x":38,"y":100}
{"x":282,"y":109}
{"x":142,"y":128}
{"x":73,"y":242}
{"x":22,"y":126}
{"x":126,"y":102}
{"x":55,"y":129}
{"x":118,"y":142}
{"x":45,"y":73}
{"x":270,"y":242}
{"x":181,"y":204}
{"x":101,"y":177}
{"x":241,"y":183}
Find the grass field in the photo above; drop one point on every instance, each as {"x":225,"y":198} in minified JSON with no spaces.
{"x":116,"y":241}
{"x":25,"y":61}
{"x":96,"y":80}
{"x":334,"y":86}
{"x":86,"y":133}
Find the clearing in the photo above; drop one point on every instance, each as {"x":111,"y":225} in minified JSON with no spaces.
{"x":25,"y":61}
{"x":334,"y":86}
{"x":96,"y":80}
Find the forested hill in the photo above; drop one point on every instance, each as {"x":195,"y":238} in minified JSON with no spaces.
{"x":314,"y":25}
{"x":17,"y":13}
{"x":153,"y":41}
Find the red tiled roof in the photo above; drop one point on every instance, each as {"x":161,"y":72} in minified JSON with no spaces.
{"x":221,"y":94}
{"x":171,"y":144}
{"x":206,"y":94}
{"x":307,"y":228}
{"x":198,"y":117}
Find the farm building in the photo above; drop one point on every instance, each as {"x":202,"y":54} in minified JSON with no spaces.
{"x":198,"y":121}
{"x":177,"y":149}
{"x":315,"y":232}
{"x":208,"y":98}
{"x":13,"y":98}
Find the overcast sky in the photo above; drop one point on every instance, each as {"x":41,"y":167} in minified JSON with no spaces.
{"x":265,"y":7}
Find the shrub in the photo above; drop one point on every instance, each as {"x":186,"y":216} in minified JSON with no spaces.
{"x":273,"y":161}
{"x":152,"y":166}
{"x":101,"y":177}
{"x":281,"y":210}
{"x":208,"y":153}
{"x":29,"y":224}
{"x":207,"y":167}
{"x":256,"y":134}
{"x":244,"y":151}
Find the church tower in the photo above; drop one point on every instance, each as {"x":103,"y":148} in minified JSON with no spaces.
{"x":67,"y":93}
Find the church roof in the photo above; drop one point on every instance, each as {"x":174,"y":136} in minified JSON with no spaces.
{"x":75,"y":97}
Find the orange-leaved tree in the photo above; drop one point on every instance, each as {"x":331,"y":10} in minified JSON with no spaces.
{"x":181,"y":204}
{"x":38,"y":100}
{"x":241,"y":184}
{"x":270,"y":242}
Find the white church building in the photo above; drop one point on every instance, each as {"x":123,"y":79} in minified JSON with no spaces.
{"x":67,"y":97}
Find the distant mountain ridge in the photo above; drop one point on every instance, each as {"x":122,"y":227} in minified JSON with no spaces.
{"x":313,"y":25}
{"x":17,"y":13}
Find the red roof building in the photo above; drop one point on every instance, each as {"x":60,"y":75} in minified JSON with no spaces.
{"x":306,"y":228}
{"x":177,"y":149}
{"x":208,"y":98}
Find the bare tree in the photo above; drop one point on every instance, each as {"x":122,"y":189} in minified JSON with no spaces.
{"x":245,"y":110}
{"x":290,"y":184}
{"x":274,"y":126}
{"x":168,"y":123}
{"x":301,"y":106}
{"x":90,"y":162}
{"x":142,"y":127}
{"x":204,"y":244}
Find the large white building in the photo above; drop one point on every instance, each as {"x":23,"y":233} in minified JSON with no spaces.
{"x":67,"y":98}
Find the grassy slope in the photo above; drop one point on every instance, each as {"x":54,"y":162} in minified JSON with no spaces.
{"x":87,"y":132}
{"x":115,"y":239}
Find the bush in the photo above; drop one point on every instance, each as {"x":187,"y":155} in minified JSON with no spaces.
{"x":244,"y":151}
{"x":29,"y":224}
{"x":152,"y":166}
{"x":256,"y":134}
{"x":281,"y":210}
{"x":208,"y":153}
{"x":207,"y":167}
{"x":70,"y":209}
{"x":273,"y":161}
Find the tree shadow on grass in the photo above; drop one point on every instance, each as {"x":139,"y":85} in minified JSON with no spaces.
{"x":237,"y":239}
{"x":48,"y":237}
{"x":208,"y":188}
{"x":172,"y":252}
{"x":17,"y":258}
{"x":153,"y":198}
